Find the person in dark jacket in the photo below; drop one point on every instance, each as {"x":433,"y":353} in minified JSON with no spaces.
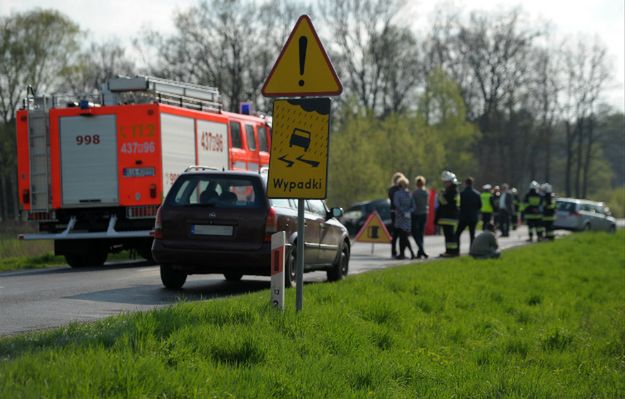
{"x":470,"y":205}
{"x":404,"y":207}
{"x":391,"y":195}
{"x":447,"y":213}
{"x":420,"y":196}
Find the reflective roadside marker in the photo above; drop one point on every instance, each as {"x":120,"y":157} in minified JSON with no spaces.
{"x":278,"y":246}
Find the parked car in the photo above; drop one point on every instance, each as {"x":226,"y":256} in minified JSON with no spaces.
{"x":216,"y":221}
{"x":575,"y":214}
{"x":356,"y":215}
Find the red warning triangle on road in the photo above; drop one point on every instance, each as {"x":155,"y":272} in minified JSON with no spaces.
{"x":373,"y":230}
{"x":303,"y":68}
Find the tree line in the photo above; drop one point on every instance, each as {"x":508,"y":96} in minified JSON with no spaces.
{"x":494,"y":95}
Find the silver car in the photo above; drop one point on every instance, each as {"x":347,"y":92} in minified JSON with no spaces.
{"x":576,"y":214}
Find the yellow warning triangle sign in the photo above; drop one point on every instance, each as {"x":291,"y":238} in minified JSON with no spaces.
{"x":303,"y":68}
{"x":373,"y":230}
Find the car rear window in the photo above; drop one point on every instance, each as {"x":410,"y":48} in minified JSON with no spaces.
{"x":566,"y":206}
{"x":216,"y":191}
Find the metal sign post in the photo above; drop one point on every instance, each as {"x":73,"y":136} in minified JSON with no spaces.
{"x":299,"y":284}
{"x":298,"y":164}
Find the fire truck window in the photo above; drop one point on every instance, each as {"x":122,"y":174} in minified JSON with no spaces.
{"x":262,"y":138}
{"x":235,"y":132}
{"x":251,"y":140}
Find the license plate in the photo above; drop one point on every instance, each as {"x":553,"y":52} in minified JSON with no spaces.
{"x":211,"y":230}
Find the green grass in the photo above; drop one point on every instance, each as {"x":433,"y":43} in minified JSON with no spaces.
{"x":546,"y":321}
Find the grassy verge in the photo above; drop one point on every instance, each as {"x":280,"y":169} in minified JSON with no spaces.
{"x":548,"y":320}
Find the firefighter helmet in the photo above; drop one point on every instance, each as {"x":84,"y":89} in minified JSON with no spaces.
{"x":448,"y":176}
{"x":546,"y":187}
{"x":487,"y":187}
{"x":534,"y":185}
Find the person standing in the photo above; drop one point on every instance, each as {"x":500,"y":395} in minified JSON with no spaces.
{"x":495,"y":199}
{"x":485,"y":245}
{"x":470,"y":205}
{"x":549,"y":211}
{"x":447,"y":213}
{"x":532,"y":213}
{"x":419,"y":216}
{"x":506,"y":210}
{"x":516,"y":203}
{"x":404,"y":207}
{"x":487,"y":205}
{"x":391,"y":193}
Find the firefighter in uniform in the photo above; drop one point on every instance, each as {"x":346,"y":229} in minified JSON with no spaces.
{"x":516,"y":202}
{"x":532,"y":211}
{"x":447,"y":213}
{"x":487,"y":205}
{"x":549,"y":210}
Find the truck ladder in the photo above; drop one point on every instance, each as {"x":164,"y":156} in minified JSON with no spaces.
{"x":163,"y":90}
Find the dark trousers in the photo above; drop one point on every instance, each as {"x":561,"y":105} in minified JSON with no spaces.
{"x":418,"y":228}
{"x":504,"y":222}
{"x":486,"y":217}
{"x":549,"y":232}
{"x":404,"y":243}
{"x":451,"y":243}
{"x":534,"y":225}
{"x":395,"y":234}
{"x":463,"y":224}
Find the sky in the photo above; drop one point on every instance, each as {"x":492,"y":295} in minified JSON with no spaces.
{"x":122,"y":20}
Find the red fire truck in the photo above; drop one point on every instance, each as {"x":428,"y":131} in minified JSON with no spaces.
{"x":93,"y":173}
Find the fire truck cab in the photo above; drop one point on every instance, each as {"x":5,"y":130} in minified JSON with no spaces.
{"x":93,"y":173}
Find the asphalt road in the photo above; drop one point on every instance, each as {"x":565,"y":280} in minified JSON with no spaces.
{"x":40,"y":299}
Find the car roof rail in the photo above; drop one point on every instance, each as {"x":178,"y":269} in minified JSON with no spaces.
{"x":199,"y":168}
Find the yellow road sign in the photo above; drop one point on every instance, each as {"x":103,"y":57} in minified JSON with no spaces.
{"x":303,"y":67}
{"x":298,"y":166}
{"x":373,"y":230}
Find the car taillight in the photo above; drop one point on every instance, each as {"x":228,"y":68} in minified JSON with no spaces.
{"x":271,"y":224}
{"x":157,"y":233}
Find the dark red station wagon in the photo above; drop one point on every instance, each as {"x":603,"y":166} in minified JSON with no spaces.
{"x":216,"y":221}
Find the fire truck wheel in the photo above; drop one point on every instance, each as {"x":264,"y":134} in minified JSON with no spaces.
{"x":233,"y":277}
{"x":172,"y":278}
{"x":94,"y":259}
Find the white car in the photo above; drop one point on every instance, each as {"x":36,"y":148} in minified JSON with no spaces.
{"x":577,"y":215}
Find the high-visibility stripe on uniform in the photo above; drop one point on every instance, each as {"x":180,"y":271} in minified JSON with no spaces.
{"x":448,"y":222}
{"x":549,"y":218}
{"x":451,"y":245}
{"x":533,"y":216}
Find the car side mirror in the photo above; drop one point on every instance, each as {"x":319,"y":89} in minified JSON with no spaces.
{"x":336,"y":212}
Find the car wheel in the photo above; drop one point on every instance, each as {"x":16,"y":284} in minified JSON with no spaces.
{"x":587,"y":227}
{"x":171,"y":278}
{"x":233,"y":277}
{"x":290,"y":272}
{"x":340,"y":268}
{"x":612,"y":229}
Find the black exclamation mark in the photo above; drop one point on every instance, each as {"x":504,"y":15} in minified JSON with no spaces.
{"x":303,"y":41}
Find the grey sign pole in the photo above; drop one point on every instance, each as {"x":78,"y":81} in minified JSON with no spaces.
{"x":299,"y":255}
